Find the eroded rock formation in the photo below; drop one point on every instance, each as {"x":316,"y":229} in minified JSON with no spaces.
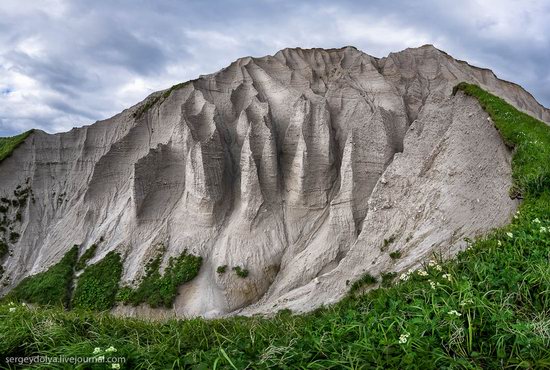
{"x":295,"y":166}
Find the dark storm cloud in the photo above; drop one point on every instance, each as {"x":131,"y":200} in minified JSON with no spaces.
{"x":65,"y":63}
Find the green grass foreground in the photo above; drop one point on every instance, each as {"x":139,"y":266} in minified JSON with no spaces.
{"x":488,"y":308}
{"x":8,"y":144}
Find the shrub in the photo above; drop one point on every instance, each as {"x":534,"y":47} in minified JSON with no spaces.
{"x":97,"y":287}
{"x":395,"y":255}
{"x":366,"y":280}
{"x":158,"y":289}
{"x":221,"y":269}
{"x":241,"y":272}
{"x":86,"y":256}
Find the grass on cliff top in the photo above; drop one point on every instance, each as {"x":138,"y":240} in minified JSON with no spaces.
{"x":8,"y":144}
{"x":488,"y":308}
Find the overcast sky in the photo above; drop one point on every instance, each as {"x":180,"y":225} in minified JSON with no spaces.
{"x":66,"y":63}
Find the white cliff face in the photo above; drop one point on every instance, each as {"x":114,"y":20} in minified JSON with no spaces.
{"x":295,"y":166}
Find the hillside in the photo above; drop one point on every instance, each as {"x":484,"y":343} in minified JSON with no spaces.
{"x":485,"y":309}
{"x":275,"y":183}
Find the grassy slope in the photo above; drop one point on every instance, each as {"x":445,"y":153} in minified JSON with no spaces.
{"x":488,"y":308}
{"x":8,"y":144}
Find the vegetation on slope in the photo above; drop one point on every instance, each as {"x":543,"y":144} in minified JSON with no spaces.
{"x":8,"y":144}
{"x":51,"y":287}
{"x":158,"y":289}
{"x":86,"y":256}
{"x":488,"y":308}
{"x":98,"y":285}
{"x":154,"y":100}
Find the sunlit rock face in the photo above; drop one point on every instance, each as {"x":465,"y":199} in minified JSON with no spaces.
{"x":295,"y":166}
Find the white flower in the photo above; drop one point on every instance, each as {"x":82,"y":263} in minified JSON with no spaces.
{"x":404,"y":277}
{"x":432,"y":284}
{"x":466,"y":301}
{"x":12,"y":309}
{"x":536,"y":220}
{"x":510,"y":235}
{"x":422,"y":273}
{"x":543,"y":229}
{"x":403,"y":338}
{"x":111,"y":349}
{"x":447,"y":276}
{"x":439,"y":268}
{"x":97,"y":350}
{"x":115,"y":366}
{"x":455,"y":313}
{"x":499,"y":243}
{"x":11,"y":304}
{"x":432,"y":263}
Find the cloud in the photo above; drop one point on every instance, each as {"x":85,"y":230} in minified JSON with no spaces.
{"x":66,"y":63}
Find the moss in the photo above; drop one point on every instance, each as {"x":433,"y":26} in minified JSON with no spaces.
{"x":395,"y":255}
{"x":97,"y":286}
{"x":14,"y":237}
{"x":9,"y":144}
{"x":86,"y":256}
{"x":241,"y":272}
{"x":221,"y":269}
{"x":159,"y":98}
{"x":4,"y":250}
{"x":366,"y":280}
{"x":158,"y":289}
{"x":51,"y":287}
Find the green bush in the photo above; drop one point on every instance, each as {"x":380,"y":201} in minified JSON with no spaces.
{"x":51,"y":287}
{"x":241,"y":272}
{"x":221,"y":269}
{"x":366,"y":280}
{"x":158,"y":289}
{"x":97,"y":287}
{"x":395,"y":255}
{"x":86,"y":256}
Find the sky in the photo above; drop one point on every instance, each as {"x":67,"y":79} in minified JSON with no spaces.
{"x":67,"y":63}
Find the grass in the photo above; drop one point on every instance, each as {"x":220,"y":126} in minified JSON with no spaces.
{"x":51,"y":287}
{"x":160,"y":290}
{"x":86,"y":256}
{"x":488,"y":308}
{"x":144,"y":108}
{"x":97,"y":286}
{"x":395,"y":255}
{"x":9,"y":144}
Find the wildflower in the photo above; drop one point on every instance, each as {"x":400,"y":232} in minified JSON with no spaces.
{"x":499,"y":243}
{"x":12,"y":309}
{"x":536,"y":220}
{"x":111,"y":349}
{"x":466,"y":301}
{"x":510,"y":235}
{"x":432,"y":284}
{"x":404,"y":277}
{"x":403,"y":338}
{"x":432,"y":263}
{"x":543,"y":229}
{"x":447,"y":276}
{"x":455,"y":313}
{"x":422,"y":273}
{"x":11,"y":304}
{"x":115,"y":366}
{"x":438,"y":268}
{"x":97,"y":350}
